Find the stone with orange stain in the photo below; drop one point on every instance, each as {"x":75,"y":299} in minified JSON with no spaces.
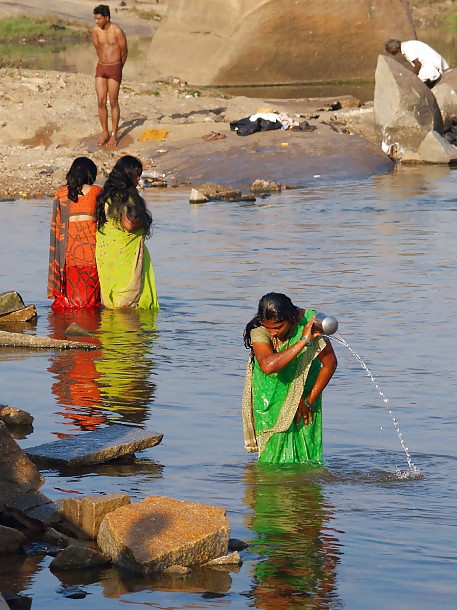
{"x":159,"y":532}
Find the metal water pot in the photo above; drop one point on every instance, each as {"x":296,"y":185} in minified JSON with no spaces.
{"x":325,"y":324}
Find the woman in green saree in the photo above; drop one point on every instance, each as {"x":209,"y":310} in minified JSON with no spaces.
{"x":123,"y":222}
{"x":289,"y":367}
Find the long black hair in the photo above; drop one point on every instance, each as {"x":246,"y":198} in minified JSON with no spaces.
{"x":82,"y":171}
{"x":121,"y":193}
{"x":275,"y":307}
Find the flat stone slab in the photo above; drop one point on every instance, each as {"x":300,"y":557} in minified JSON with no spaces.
{"x":97,"y":447}
{"x":8,"y":339}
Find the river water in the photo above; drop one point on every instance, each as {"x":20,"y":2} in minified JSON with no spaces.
{"x":380,"y":255}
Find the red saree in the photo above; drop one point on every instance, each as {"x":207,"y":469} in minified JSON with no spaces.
{"x":72,"y":277}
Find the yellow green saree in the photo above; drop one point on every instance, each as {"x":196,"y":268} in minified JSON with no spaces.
{"x":270,"y":403}
{"x":124,"y":268}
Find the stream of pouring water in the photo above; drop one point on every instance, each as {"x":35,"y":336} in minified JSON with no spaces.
{"x":413,"y":470}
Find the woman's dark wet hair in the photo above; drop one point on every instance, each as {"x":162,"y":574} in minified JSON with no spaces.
{"x":82,"y":171}
{"x":274,"y":307}
{"x":120,"y":190}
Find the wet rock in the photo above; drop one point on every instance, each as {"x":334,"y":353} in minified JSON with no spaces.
{"x":405,"y":109}
{"x":87,"y":513}
{"x":197,"y":197}
{"x":77,"y":331}
{"x":18,"y":474}
{"x":10,"y":301}
{"x":15,"y":417}
{"x":26,"y":314}
{"x":159,"y":532}
{"x":237,"y":545}
{"x":11,"y":540}
{"x":74,"y":592}
{"x":264,"y":187}
{"x":33,"y":510}
{"x":95,"y":447}
{"x":77,"y":558}
{"x":217,"y":192}
{"x":230,"y":559}
{"x":16,"y":602}
{"x":34,"y":342}
{"x":176,"y":570}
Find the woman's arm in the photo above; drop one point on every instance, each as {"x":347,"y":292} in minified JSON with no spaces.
{"x":271,"y":361}
{"x":329,"y":363}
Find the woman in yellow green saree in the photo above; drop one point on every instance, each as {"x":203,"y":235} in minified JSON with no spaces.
{"x":289,"y":367}
{"x":124,"y":265}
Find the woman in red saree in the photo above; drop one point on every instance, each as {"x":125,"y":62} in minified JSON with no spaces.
{"x":72,"y":278}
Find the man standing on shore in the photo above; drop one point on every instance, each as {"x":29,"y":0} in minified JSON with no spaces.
{"x":111,"y":46}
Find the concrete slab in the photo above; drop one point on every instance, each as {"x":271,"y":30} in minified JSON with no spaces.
{"x":97,"y":447}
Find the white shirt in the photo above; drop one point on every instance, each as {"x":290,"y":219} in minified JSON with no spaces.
{"x":433,"y":64}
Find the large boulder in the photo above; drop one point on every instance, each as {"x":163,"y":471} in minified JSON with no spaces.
{"x":266,"y":41}
{"x":18,"y":474}
{"x":159,"y":532}
{"x":405,"y":109}
{"x":445,"y":93}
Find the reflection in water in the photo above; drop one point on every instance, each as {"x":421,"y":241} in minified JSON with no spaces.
{"x":126,"y":364}
{"x":112,"y":383}
{"x":76,"y":377}
{"x":291,"y":520}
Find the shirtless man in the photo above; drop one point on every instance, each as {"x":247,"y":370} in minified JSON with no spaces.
{"x":111,"y":46}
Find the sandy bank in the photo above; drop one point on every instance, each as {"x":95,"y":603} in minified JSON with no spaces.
{"x":48,"y":118}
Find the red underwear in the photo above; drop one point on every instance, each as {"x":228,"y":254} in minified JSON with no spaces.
{"x":109,"y":71}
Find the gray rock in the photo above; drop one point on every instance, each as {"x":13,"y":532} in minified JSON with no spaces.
{"x":405,"y":109}
{"x":18,"y":474}
{"x":159,"y":532}
{"x":33,"y":509}
{"x":10,"y":301}
{"x":445,"y":93}
{"x":436,"y":149}
{"x":88,"y":512}
{"x":230,"y":559}
{"x":11,"y":540}
{"x":26,"y":314}
{"x":77,"y":557}
{"x":15,"y":417}
{"x":3,"y":604}
{"x":95,"y":447}
{"x":197,"y":197}
{"x":77,"y":331}
{"x":34,"y":342}
{"x":249,"y":42}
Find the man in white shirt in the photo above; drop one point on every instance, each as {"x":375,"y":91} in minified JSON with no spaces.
{"x":427,"y":63}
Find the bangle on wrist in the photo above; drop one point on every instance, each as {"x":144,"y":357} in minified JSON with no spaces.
{"x":307,"y":404}
{"x":305,"y":339}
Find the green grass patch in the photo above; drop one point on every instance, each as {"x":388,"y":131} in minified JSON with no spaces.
{"x":22,"y":38}
{"x":451,"y":21}
{"x":24,"y":29}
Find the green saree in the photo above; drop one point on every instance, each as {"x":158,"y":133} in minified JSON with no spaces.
{"x":124,"y":268}
{"x":270,"y":404}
